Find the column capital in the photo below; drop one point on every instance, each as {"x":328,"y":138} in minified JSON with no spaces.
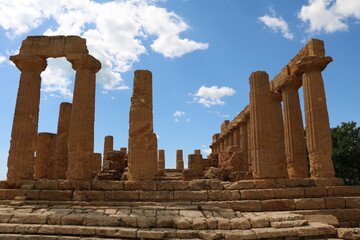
{"x":312,"y":63}
{"x":84,"y":62}
{"x":29,"y":63}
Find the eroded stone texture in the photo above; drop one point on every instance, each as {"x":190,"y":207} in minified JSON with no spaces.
{"x":25,"y":124}
{"x":294,"y":131}
{"x":262,"y":124}
{"x":62,"y":139}
{"x":318,"y":136}
{"x":142,"y":139}
{"x":96,"y":162}
{"x":81,"y":135}
{"x":108,"y":145}
{"x":195,"y":164}
{"x":243,"y":144}
{"x":161,"y":163}
{"x":179,"y":160}
{"x":45,"y":156}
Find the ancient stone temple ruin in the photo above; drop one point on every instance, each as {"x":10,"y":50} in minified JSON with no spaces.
{"x":264,"y":179}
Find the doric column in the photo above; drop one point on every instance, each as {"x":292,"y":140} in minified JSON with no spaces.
{"x":318,"y":136}
{"x":62,"y":140}
{"x":108,"y":145}
{"x":249,"y":140}
{"x":278,"y":131}
{"x":81,"y":135}
{"x":161,"y":162}
{"x":195,"y":164}
{"x":143,"y":159}
{"x":262,"y":123}
{"x":45,"y":156}
{"x":243,"y":143}
{"x":236,"y":136}
{"x":294,"y":131}
{"x":231,"y":137}
{"x":25,"y":124}
{"x":179,"y":160}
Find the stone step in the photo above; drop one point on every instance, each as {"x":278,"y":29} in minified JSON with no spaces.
{"x":133,"y":194}
{"x":40,"y":231}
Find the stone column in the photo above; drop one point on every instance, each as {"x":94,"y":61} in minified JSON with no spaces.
{"x":25,"y":124}
{"x":236,"y":136}
{"x":278,"y":131}
{"x":62,"y":140}
{"x":243,"y":143}
{"x":45,"y":156}
{"x":179,"y":160}
{"x":161,"y":163}
{"x":231,"y":138}
{"x":262,"y":118}
{"x":81,"y":135}
{"x":295,"y":149}
{"x":108,"y":145}
{"x":143,"y":160}
{"x":197,"y":151}
{"x":249,"y":141}
{"x":318,"y":136}
{"x":195,"y":164}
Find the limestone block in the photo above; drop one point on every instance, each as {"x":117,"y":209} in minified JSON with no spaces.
{"x":316,"y":192}
{"x":161,"y":160}
{"x":199,"y":224}
{"x":310,"y":203}
{"x":88,"y":195}
{"x":335,"y":202}
{"x":190,"y":195}
{"x":321,"y":218}
{"x":45,"y":156}
{"x":217,"y":173}
{"x":179,"y":160}
{"x":146,"y":185}
{"x":352,"y":202}
{"x":278,"y":205}
{"x":107,"y":185}
{"x":349,"y":233}
{"x":188,"y":175}
{"x":246,"y":184}
{"x":257,"y":194}
{"x":195,"y":164}
{"x":240,"y":223}
{"x":289,"y":193}
{"x":56,"y":195}
{"x":224,"y":224}
{"x":142,"y":139}
{"x":150,"y":234}
{"x":122,"y":195}
{"x":260,"y":222}
{"x":114,"y":160}
{"x":245,"y":205}
{"x":219,"y":195}
{"x":156,"y":195}
{"x":164,"y":222}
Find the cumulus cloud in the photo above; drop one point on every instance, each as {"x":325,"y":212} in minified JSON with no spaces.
{"x":328,"y":15}
{"x":178,"y":113}
{"x":276,"y":24}
{"x":209,"y":96}
{"x":2,"y":59}
{"x":115,"y":30}
{"x":206,"y":151}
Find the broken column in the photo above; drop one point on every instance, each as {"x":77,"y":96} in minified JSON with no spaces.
{"x":142,"y":140}
{"x":108,"y":145}
{"x":195,"y":164}
{"x":262,"y":123}
{"x":318,"y":136}
{"x":179,"y":160}
{"x":161,"y":163}
{"x":81,"y":135}
{"x":62,"y":139}
{"x":25,"y":124}
{"x":45,"y":156}
{"x":295,"y":149}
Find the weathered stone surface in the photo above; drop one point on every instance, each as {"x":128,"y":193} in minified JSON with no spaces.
{"x":179,"y":160}
{"x":142,"y":139}
{"x":349,"y":233}
{"x":45,"y":156}
{"x":195,"y":164}
{"x":108,"y":145}
{"x":161,"y":160}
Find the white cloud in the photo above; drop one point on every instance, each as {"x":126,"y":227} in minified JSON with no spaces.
{"x":209,"y":96}
{"x":2,"y":58}
{"x":176,"y":120}
{"x":115,"y":30}
{"x":188,"y":119}
{"x":328,"y":15}
{"x":276,"y":24}
{"x":206,"y":151}
{"x":178,"y":114}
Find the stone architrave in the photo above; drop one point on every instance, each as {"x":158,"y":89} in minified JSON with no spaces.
{"x":295,"y":149}
{"x":45,"y":156}
{"x":179,"y":160}
{"x":25,"y":124}
{"x":143,"y":160}
{"x":262,"y":123}
{"x":318,"y":136}
{"x":278,"y":131}
{"x":108,"y":145}
{"x":81,"y":135}
{"x":161,"y":162}
{"x":62,"y":139}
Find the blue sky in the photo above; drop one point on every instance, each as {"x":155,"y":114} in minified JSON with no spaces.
{"x":201,"y":54}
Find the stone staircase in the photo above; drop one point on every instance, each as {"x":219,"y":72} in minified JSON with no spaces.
{"x":172,"y":209}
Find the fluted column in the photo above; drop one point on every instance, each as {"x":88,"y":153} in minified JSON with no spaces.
{"x":62,"y":140}
{"x":318,"y":136}
{"x":108,"y":145}
{"x":25,"y":124}
{"x":294,"y":131}
{"x":179,"y":160}
{"x":161,"y":162}
{"x":262,"y":123}
{"x":243,"y":143}
{"x":45,"y":156}
{"x":81,"y":135}
{"x":278,"y":131}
